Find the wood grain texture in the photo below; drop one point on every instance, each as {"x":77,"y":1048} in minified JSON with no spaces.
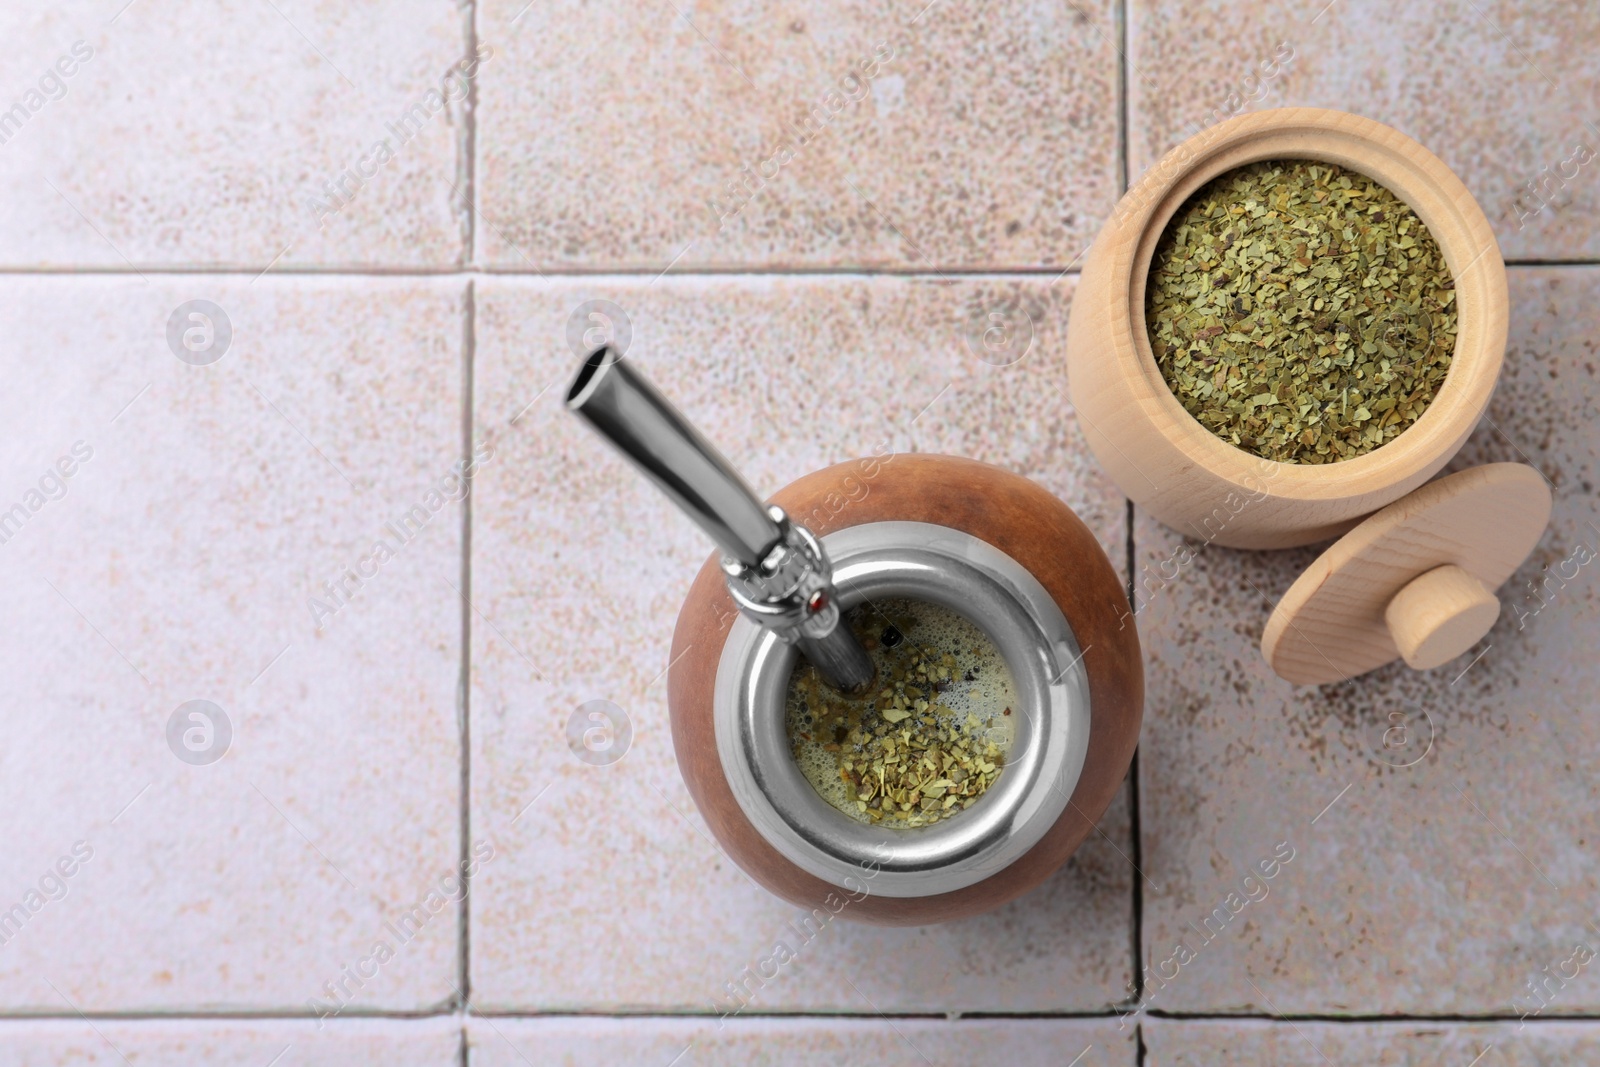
{"x":1331,"y":623}
{"x":1012,"y":514}
{"x":1437,"y":616}
{"x":1183,"y":473}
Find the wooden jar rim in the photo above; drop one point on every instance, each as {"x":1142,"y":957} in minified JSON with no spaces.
{"x":1410,"y":172}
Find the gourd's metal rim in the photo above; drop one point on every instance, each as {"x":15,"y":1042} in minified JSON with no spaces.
{"x":919,"y":561}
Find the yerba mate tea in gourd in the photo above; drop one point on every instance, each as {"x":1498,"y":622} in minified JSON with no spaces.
{"x":1300,"y":311}
{"x":928,"y":738}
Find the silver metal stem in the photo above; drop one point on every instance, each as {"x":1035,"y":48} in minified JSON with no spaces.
{"x":621,"y":403}
{"x":777,"y":572}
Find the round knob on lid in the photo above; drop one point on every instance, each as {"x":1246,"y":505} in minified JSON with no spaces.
{"x":1440,"y":615}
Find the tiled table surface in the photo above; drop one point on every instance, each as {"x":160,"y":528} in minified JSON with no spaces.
{"x":392,"y":312}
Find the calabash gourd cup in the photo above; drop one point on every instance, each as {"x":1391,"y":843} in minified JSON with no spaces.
{"x":987,"y":544}
{"x":1048,"y":545}
{"x":1181,"y":472}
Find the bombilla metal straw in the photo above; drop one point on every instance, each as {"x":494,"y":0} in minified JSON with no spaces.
{"x":777,"y":571}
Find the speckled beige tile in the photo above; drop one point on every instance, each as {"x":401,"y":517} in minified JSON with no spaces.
{"x":1501,"y":90}
{"x":1208,"y":1043}
{"x":610,"y":894}
{"x":200,"y":134}
{"x":1442,"y":823}
{"x":843,"y":134}
{"x":166,"y":530}
{"x":798,"y":1042}
{"x":230,"y":1043}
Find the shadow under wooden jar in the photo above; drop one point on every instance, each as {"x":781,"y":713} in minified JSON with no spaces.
{"x":1185,"y":475}
{"x":1007,"y":512}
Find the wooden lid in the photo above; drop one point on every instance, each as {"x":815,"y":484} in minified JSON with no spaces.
{"x":1331,"y":624}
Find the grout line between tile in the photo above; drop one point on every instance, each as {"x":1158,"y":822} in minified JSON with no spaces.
{"x":1368,"y":1020}
{"x":1165,"y":1016}
{"x":464,"y":691}
{"x":467,"y":176}
{"x":481,"y":271}
{"x":498,"y":272}
{"x":1123,"y":168}
{"x":467,"y":165}
{"x":1169,"y":1016}
{"x":1135,"y":823}
{"x":238,"y":1015}
{"x":1534,"y":262}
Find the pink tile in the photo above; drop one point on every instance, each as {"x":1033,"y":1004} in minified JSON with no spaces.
{"x":1223,"y":1043}
{"x":611,"y":894}
{"x":229,"y":1043}
{"x":799,"y":1042}
{"x":1495,"y":88}
{"x":1453,"y":862}
{"x":609,"y":136}
{"x":177,"y":563}
{"x":198,"y":134}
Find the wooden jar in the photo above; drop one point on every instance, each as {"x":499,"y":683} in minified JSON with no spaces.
{"x":1008,"y":512}
{"x":1184,"y":474}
